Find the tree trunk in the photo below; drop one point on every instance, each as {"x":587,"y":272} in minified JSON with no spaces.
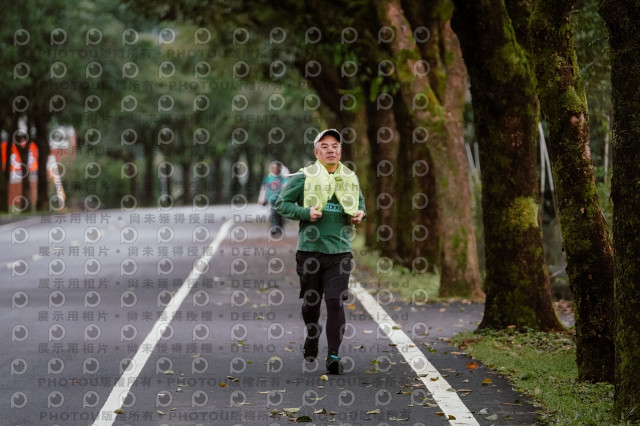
{"x":187,"y":193}
{"x":505,"y":114}
{"x":4,"y":178}
{"x":362,"y":157}
{"x":384,"y":155}
{"x":148,"y":190}
{"x":623,"y":21}
{"x":585,"y":236}
{"x":218,"y":179}
{"x":438,"y":197}
{"x":42,"y":140}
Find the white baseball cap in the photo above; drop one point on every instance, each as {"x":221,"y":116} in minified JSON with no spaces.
{"x":332,"y":132}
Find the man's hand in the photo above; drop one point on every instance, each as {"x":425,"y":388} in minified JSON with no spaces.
{"x":357,"y":218}
{"x":314,"y":214}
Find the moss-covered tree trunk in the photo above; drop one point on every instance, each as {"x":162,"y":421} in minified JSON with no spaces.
{"x":623,"y":21}
{"x":585,"y":236}
{"x":432,"y":137}
{"x":506,"y":114}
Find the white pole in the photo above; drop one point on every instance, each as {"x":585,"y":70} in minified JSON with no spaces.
{"x":606,"y":150}
{"x":542,"y":162}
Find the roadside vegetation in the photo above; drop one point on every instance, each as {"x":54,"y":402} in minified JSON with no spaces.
{"x":543,"y":366}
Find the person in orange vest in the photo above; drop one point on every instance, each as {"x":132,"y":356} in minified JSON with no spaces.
{"x":23,"y":173}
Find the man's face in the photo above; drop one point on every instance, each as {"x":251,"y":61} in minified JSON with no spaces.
{"x":22,"y":142}
{"x":328,"y":151}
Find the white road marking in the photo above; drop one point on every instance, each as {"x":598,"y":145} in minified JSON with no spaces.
{"x":449,"y":401}
{"x":106,"y":416}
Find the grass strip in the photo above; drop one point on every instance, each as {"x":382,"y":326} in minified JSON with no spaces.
{"x":543,"y":366}
{"x":377,"y":273}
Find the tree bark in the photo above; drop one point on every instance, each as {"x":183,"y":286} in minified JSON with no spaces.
{"x":362,"y":157}
{"x":384,"y":156}
{"x":148,"y":190}
{"x":585,"y":236}
{"x":446,"y":184}
{"x":42,"y":140}
{"x":218,"y":179}
{"x":187,"y":193}
{"x":623,"y":22}
{"x":505,"y":114}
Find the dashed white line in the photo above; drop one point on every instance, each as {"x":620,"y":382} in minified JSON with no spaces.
{"x":449,"y":401}
{"x":106,"y":416}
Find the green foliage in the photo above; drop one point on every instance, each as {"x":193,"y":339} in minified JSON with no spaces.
{"x":201,"y":70}
{"x":408,"y":284}
{"x":542,"y":365}
{"x":592,"y":48}
{"x":108,"y":186}
{"x":604,"y":193}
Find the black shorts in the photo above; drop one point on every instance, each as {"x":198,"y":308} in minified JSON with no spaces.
{"x":323,"y":275}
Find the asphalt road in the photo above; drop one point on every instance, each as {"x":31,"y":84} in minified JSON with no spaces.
{"x":191,"y":317}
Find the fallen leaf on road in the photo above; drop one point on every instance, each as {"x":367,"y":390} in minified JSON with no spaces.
{"x":162,"y":413}
{"x":486,"y":382}
{"x":451,"y":417}
{"x":303,"y":419}
{"x":483,"y":411}
{"x":492,"y":417}
{"x":321,"y":411}
{"x":118,"y":411}
{"x":473,"y":365}
{"x":376,"y":411}
{"x":324,"y":377}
